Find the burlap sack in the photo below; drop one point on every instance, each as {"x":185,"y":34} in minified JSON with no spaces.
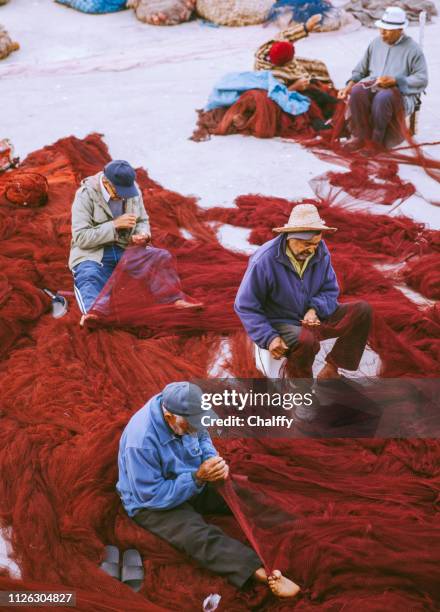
{"x":7,"y":46}
{"x":234,"y":12}
{"x":175,"y":11}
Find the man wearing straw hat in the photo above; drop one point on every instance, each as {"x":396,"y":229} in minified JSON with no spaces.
{"x":288,"y":300}
{"x":392,"y":73}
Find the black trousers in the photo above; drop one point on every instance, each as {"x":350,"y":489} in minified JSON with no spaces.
{"x":185,"y":528}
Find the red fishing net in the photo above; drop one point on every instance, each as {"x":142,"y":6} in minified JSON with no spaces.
{"x":255,"y":114}
{"x":352,"y":521}
{"x":372,"y":172}
{"x":24,"y":189}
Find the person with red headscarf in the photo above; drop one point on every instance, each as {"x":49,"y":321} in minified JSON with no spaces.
{"x":278,"y":56}
{"x":308,"y":76}
{"x":256,"y":114}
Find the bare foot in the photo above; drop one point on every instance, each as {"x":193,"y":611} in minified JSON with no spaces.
{"x":188,"y":303}
{"x":329,"y":372}
{"x":279,"y":585}
{"x":86,"y":318}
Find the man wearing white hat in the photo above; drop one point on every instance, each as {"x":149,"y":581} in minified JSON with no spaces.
{"x":288,"y":300}
{"x":392,"y":73}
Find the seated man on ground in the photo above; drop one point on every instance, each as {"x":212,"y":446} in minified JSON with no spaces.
{"x":260,"y":107}
{"x":168,"y":471}
{"x":386,"y":84}
{"x":288,"y":300}
{"x":307,"y":76}
{"x":278,"y":56}
{"x":108,"y":215}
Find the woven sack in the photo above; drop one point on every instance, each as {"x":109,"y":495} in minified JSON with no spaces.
{"x":7,"y":46}
{"x":175,"y":11}
{"x":234,"y":12}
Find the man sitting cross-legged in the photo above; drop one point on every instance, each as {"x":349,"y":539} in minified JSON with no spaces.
{"x":288,"y":300}
{"x":168,"y":469}
{"x":108,"y":215}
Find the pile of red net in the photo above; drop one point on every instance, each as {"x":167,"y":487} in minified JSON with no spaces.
{"x":372,"y":174}
{"x":352,"y":521}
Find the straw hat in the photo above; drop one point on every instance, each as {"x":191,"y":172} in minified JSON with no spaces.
{"x":304,"y":218}
{"x":394,"y":18}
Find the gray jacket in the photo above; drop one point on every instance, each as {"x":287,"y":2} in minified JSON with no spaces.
{"x":92,"y":223}
{"x":404,"y":61}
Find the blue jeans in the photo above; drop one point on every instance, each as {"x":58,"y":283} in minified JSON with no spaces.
{"x":153,"y":266}
{"x":90,"y":276}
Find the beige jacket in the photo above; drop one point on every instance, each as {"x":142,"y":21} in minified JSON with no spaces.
{"x":92,"y":223}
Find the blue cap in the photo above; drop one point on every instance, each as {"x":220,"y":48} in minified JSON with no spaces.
{"x":122,"y":176}
{"x":185,"y":399}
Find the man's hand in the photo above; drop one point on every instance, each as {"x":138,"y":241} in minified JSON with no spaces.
{"x":212,"y":470}
{"x":313,"y":22}
{"x":386,"y":82}
{"x":311,"y":318}
{"x":126,"y":221}
{"x":140,"y":239}
{"x":300,"y":84}
{"x":345,"y":92}
{"x":278,"y":348}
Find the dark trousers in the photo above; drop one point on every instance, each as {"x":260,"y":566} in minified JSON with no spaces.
{"x":350,"y":324}
{"x":374,"y":113}
{"x":185,"y":528}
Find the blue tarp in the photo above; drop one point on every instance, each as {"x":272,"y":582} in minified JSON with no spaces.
{"x":228,"y":90}
{"x":301,"y":10}
{"x":95,"y":6}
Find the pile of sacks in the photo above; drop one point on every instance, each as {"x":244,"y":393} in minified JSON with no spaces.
{"x":173,"y":12}
{"x":238,"y":12}
{"x":226,"y":12}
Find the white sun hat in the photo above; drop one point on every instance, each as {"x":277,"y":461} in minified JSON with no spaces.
{"x":394,"y":18}
{"x":304,"y":218}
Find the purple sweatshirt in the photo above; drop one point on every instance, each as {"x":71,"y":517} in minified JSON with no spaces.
{"x":271,"y":291}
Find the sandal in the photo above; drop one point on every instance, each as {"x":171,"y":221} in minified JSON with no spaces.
{"x":110,"y":565}
{"x":132,"y":573}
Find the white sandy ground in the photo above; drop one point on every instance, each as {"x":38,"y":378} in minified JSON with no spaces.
{"x":139,"y":85}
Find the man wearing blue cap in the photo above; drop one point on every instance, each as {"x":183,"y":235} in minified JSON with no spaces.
{"x":108,"y":215}
{"x":289,"y":288}
{"x":168,"y":468}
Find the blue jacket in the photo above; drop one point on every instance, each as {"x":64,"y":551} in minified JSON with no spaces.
{"x":155,"y":466}
{"x":272,"y":292}
{"x":230,"y":87}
